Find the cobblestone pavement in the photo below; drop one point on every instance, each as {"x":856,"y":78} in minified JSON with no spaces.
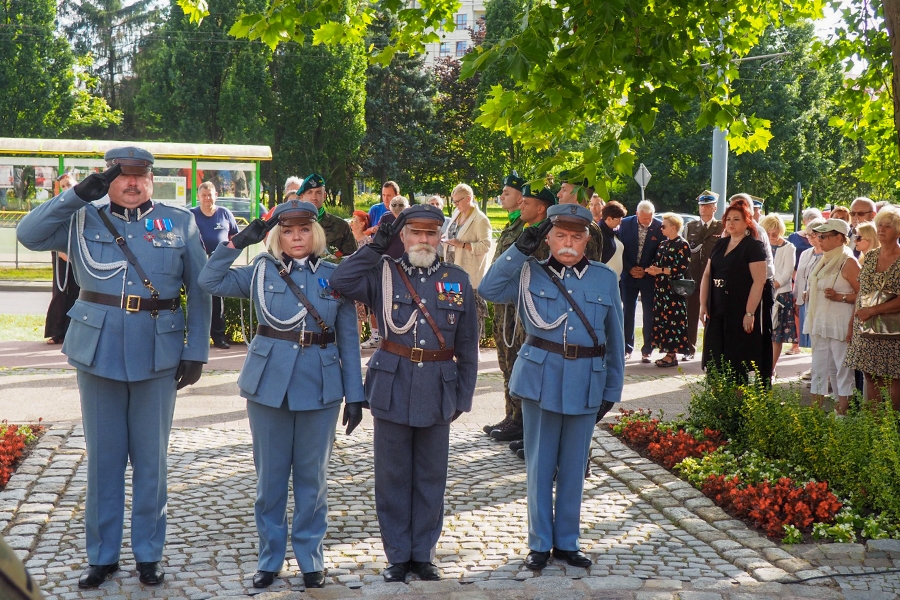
{"x":651,"y":536}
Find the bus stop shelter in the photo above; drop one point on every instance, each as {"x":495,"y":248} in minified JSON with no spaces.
{"x":29,"y":169}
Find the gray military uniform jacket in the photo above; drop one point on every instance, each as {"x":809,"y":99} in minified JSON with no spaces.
{"x":397,"y":389}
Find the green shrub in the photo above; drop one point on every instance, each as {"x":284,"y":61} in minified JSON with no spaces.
{"x":233,"y":329}
{"x":716,"y":401}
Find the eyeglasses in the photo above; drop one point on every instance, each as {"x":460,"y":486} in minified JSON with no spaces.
{"x":397,"y":204}
{"x":861,"y":213}
{"x":823,"y":236}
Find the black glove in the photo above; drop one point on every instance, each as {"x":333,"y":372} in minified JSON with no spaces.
{"x":352,"y":416}
{"x":530,"y":239}
{"x":188,"y":373}
{"x":96,"y":185}
{"x":253,"y":233}
{"x":386,"y":234}
{"x":605,"y":407}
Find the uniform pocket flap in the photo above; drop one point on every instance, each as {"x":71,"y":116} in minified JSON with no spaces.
{"x":535,"y":355}
{"x":448,"y":370}
{"x":543,"y":289}
{"x":598,"y":363}
{"x":275,"y":285}
{"x":98,"y":235}
{"x":87,"y":315}
{"x":384,"y":361}
{"x":169,"y":322}
{"x":261,"y":347}
{"x":603,"y":299}
{"x":328,"y":357}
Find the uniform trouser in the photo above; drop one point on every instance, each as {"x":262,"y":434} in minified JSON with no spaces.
{"x":505,"y":330}
{"x":286,"y":443}
{"x":828,"y":356}
{"x":410,"y":481}
{"x":217,"y":322}
{"x":555,"y":444}
{"x":693,"y":318}
{"x":629,"y":302}
{"x":481,"y":309}
{"x":126,"y":421}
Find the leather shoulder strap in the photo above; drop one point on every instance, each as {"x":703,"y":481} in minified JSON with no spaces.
{"x":120,"y":241}
{"x":571,"y":301}
{"x":282,"y":271}
{"x":421,"y":305}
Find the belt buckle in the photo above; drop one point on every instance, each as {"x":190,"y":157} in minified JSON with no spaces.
{"x":570,"y":355}
{"x":719,"y":283}
{"x":132,"y":303}
{"x":306,"y":339}
{"x":414,"y":357}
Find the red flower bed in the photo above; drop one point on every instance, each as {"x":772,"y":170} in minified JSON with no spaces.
{"x":771,"y":507}
{"x":666,"y":446}
{"x":12,"y":445}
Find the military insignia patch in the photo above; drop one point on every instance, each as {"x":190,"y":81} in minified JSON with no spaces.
{"x":451,"y":318}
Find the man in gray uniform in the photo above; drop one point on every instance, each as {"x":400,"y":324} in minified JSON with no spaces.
{"x":129,"y":343}
{"x":420,"y":379}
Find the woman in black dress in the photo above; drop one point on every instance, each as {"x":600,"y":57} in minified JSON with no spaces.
{"x":670,"y":324}
{"x":738,"y":321}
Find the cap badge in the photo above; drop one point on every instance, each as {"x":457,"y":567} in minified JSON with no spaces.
{"x":572,"y":209}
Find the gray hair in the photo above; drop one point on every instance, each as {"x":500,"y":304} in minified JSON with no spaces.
{"x":463,"y":187}
{"x":811,"y":213}
{"x":437,"y":197}
{"x":646,"y":206}
{"x":863,"y":200}
{"x":814,"y":223}
{"x":293,"y":179}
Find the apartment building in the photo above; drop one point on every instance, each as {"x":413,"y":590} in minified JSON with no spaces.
{"x":455,"y":43}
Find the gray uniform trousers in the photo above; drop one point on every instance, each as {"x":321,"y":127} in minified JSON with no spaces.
{"x":126,"y":420}
{"x":289,"y":442}
{"x":410,"y":479}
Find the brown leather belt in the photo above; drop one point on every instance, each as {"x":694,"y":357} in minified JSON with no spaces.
{"x":130,"y":303}
{"x":417,"y":354}
{"x":570,"y":351}
{"x":309,"y":338}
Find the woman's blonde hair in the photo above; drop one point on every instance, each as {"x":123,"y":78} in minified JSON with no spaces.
{"x":673,"y":219}
{"x":868,"y":232}
{"x":273,"y":242}
{"x":772,"y":222}
{"x":891,"y":214}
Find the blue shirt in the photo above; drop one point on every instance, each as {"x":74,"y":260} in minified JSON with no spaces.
{"x":376,"y":212}
{"x":801,"y":243}
{"x":215,"y":229}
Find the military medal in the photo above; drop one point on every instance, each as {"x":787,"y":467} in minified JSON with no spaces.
{"x":450,"y":291}
{"x":328,"y":289}
{"x":158,"y":229}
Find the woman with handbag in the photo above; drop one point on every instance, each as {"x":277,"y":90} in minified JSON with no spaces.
{"x":303,"y":361}
{"x":832,"y":288}
{"x":670,"y":324}
{"x":878,"y":309}
{"x":784,"y":327}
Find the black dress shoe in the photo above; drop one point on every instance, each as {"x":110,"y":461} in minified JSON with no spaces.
{"x":150,"y":573}
{"x":263,"y":579}
{"x":94,"y":575}
{"x":521,"y":453}
{"x":516,"y":445}
{"x":396,"y":572}
{"x":427,"y":571}
{"x":222,"y":344}
{"x":489,"y":428}
{"x":314,"y":579}
{"x":576,"y":558}
{"x":537,"y":560}
{"x":511,"y":431}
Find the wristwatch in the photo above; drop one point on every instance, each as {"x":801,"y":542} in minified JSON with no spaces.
{"x":749,"y":314}
{"x":843,"y":297}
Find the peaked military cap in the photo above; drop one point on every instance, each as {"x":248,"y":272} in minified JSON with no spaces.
{"x":514,"y":181}
{"x":545,"y":195}
{"x":132,"y":160}
{"x":564,"y":177}
{"x":573,"y":217}
{"x":310,"y":183}
{"x":757,"y":202}
{"x":707,"y":197}
{"x":423,"y":217}
{"x":295,"y":212}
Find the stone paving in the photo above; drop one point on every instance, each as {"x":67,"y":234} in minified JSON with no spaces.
{"x":650,"y":535}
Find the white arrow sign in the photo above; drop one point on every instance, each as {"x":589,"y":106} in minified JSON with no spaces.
{"x":642,"y":176}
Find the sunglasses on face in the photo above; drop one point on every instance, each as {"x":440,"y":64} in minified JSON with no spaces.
{"x":860,"y":214}
{"x":396,"y":204}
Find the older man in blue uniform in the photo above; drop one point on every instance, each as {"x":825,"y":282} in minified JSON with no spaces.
{"x":570,"y":367}
{"x":420,"y":379}
{"x":129,"y":342}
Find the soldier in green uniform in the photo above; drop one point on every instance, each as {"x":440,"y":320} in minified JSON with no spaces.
{"x":573,"y":191}
{"x":338,"y":236}
{"x":508,"y":333}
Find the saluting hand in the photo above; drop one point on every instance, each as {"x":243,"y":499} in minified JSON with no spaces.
{"x":96,"y":185}
{"x":386,"y":234}
{"x":253,"y":233}
{"x":530,"y":239}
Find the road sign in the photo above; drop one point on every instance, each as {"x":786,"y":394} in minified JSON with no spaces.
{"x":642,"y":176}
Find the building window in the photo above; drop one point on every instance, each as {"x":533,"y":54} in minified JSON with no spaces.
{"x":462,"y":20}
{"x":445,"y":48}
{"x":461,"y":48}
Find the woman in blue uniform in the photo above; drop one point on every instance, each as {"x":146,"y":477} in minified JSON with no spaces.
{"x":302,"y":362}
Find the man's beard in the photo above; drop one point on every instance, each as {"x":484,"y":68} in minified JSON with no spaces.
{"x":422,"y":255}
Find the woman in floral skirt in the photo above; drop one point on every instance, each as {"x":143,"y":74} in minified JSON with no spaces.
{"x":670,"y":333}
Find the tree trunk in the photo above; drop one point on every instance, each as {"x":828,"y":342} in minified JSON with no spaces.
{"x":892,"y":21}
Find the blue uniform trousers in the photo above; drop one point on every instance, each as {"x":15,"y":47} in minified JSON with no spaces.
{"x":126,"y":421}
{"x":629,"y":304}
{"x":410,"y":481}
{"x":555,"y":444}
{"x":290,"y":443}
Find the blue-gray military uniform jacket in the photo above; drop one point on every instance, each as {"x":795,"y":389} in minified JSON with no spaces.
{"x":275,"y":369}
{"x":397,"y":389}
{"x":108,"y":341}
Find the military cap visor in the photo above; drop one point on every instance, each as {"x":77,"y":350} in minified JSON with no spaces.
{"x":295,"y":212}
{"x":707,"y":197}
{"x":572,"y":217}
{"x":423,"y":217}
{"x":132,"y":160}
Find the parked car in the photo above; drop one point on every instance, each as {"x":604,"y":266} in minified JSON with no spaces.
{"x":239,"y":207}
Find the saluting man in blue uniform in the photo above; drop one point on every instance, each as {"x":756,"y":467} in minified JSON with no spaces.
{"x":420,"y":379}
{"x":129,"y":342}
{"x":570,"y":367}
{"x":303,"y":361}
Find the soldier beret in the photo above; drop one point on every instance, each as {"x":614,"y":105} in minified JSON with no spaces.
{"x":295,"y":212}
{"x":132,"y":160}
{"x":564,"y":177}
{"x":573,"y":217}
{"x":310,"y":183}
{"x":514,"y":181}
{"x":707,"y":197}
{"x":423,"y":217}
{"x":544,"y":195}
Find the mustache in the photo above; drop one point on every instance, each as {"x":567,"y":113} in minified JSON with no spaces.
{"x":566,"y":252}
{"x":131,"y":190}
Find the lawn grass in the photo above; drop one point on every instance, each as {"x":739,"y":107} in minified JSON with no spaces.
{"x":27,"y":274}
{"x":21,"y":328}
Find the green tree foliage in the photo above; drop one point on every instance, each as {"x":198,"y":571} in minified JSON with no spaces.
{"x":36,"y":78}
{"x":401,"y":133}
{"x":89,"y":112}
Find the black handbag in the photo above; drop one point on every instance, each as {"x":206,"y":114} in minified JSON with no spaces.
{"x":683,"y":287}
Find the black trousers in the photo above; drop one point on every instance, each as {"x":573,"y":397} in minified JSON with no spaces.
{"x":217,"y":323}
{"x":61,"y":302}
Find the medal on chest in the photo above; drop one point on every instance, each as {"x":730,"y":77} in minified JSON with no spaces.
{"x":325,"y":285}
{"x":159,"y":231}
{"x":451,"y":292}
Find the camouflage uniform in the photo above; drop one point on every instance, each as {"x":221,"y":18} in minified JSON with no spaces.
{"x":338,"y":237}
{"x":505,"y":324}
